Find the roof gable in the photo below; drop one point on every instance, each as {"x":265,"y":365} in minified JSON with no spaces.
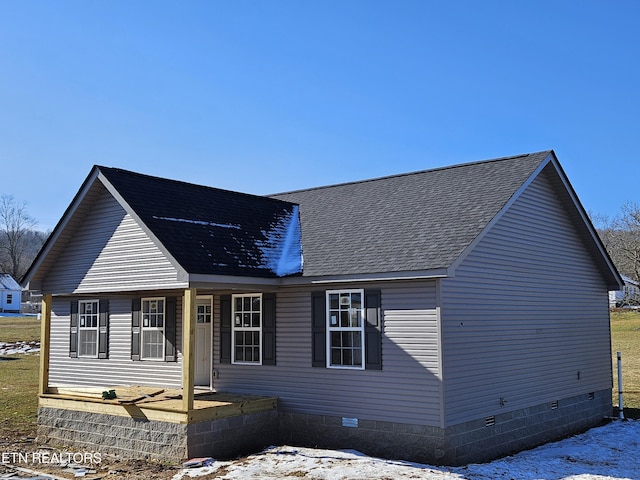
{"x":110,"y":251}
{"x":211,"y":231}
{"x":420,"y":221}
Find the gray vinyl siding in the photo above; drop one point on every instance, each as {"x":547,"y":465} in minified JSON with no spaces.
{"x":110,"y":252}
{"x":118,"y":369}
{"x":407,"y":389}
{"x":526,"y":311}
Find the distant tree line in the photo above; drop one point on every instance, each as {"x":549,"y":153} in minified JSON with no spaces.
{"x":621,"y":237}
{"x":20,"y":241}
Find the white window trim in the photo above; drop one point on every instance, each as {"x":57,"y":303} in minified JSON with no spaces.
{"x":345,"y":329}
{"x":86,"y":329}
{"x":245,"y":329}
{"x":148,"y":329}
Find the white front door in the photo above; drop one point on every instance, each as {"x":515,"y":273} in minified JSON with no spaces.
{"x":203,"y":342}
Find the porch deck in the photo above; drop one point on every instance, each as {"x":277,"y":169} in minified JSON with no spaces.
{"x":153,"y":403}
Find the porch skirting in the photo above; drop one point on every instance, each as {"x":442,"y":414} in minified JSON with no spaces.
{"x":475,"y":441}
{"x":134,"y":437}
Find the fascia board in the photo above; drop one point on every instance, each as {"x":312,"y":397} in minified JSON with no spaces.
{"x":230,"y":282}
{"x":199,"y":280}
{"x":369,"y":277}
{"x":183,"y":275}
{"x":595,"y":238}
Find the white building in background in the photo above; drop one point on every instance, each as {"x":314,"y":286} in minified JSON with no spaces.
{"x":10,"y":294}
{"x":628,"y":296}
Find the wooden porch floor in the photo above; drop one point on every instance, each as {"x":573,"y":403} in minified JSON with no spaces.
{"x":156,"y":403}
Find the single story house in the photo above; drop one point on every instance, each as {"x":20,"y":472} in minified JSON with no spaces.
{"x":10,"y":294}
{"x":449,"y":316}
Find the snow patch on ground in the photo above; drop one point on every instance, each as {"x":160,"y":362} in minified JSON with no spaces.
{"x":11,"y":348}
{"x":610,"y":452}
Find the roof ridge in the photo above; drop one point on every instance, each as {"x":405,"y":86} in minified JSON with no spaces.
{"x":183,"y":182}
{"x":418,"y":172}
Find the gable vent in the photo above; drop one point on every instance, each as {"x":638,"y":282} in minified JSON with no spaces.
{"x":490,"y":421}
{"x":554,"y":405}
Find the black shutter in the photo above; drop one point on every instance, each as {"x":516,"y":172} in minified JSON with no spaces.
{"x":73,"y":334}
{"x":373,"y":330}
{"x":318,"y":330}
{"x":225,"y":329}
{"x":268,"y":328}
{"x":135,"y":329}
{"x":170,"y":329}
{"x":103,"y":329}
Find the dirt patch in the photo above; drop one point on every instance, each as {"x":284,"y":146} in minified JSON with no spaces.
{"x":20,"y":449}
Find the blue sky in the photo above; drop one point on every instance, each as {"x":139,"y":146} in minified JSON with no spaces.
{"x":269,"y":96}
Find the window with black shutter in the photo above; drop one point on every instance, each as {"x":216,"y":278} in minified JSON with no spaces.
{"x":89,"y":329}
{"x":248,"y":329}
{"x":346,"y":329}
{"x":153,"y":329}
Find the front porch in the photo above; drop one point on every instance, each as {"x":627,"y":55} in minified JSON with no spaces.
{"x":156,"y":403}
{"x":153,"y":422}
{"x":150,"y":422}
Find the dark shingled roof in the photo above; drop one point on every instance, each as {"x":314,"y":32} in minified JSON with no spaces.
{"x":209,"y":230}
{"x":412,"y":222}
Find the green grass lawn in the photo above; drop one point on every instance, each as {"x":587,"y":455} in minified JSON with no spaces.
{"x":625,"y":338}
{"x":19,"y":377}
{"x":19,"y":373}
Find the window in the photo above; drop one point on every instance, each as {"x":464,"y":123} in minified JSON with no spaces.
{"x":204,"y":314}
{"x":153,"y":313}
{"x":153,"y":328}
{"x":89,"y":328}
{"x":345,"y":328}
{"x":88,"y":322}
{"x":247,"y":328}
{"x":9,"y":298}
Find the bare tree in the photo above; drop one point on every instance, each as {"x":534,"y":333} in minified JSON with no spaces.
{"x":625,"y":240}
{"x":607,"y":233}
{"x":16,"y":225}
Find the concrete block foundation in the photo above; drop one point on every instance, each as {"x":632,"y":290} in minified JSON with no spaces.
{"x":131,"y":437}
{"x":476,"y":441}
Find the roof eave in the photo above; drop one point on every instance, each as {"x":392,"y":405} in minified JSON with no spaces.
{"x":368,"y":277}
{"x":230,"y":282}
{"x":610,"y":272}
